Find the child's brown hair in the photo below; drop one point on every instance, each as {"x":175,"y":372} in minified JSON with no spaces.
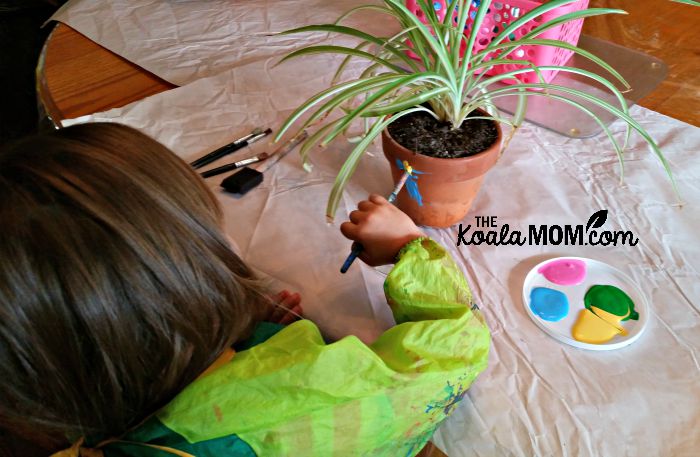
{"x":117,"y":286}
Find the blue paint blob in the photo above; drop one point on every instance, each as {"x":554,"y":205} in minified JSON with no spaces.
{"x":551,"y":305}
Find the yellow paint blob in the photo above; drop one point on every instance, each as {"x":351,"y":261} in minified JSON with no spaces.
{"x":592,"y":329}
{"x":610,"y":318}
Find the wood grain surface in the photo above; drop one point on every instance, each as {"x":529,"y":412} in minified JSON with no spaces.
{"x":81,"y":77}
{"x":666,"y":30}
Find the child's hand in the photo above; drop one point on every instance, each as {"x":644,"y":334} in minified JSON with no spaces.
{"x":286,"y":308}
{"x":381,"y":228}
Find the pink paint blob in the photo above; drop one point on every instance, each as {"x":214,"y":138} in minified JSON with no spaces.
{"x":564,"y":272}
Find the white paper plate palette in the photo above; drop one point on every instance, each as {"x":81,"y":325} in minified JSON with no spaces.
{"x":594,"y":273}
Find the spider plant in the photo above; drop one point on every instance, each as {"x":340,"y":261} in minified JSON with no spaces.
{"x":447,"y":78}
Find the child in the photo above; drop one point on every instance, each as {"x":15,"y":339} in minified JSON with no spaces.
{"x":121,"y":301}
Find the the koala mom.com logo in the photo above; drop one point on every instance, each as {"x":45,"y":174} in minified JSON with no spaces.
{"x":488,"y":232}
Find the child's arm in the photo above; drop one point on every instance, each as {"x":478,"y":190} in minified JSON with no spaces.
{"x":381,"y":228}
{"x":439,"y":330}
{"x":297,"y":395}
{"x":425,"y":283}
{"x":424,"y":286}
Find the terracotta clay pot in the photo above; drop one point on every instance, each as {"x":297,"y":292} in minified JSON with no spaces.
{"x":448,"y":186}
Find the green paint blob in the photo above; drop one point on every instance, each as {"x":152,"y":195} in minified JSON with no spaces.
{"x":612,"y":300}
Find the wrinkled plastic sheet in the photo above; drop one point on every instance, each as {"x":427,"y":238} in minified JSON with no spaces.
{"x":184,"y":40}
{"x":538,"y":396}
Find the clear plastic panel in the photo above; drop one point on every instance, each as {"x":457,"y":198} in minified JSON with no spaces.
{"x":642,"y":71}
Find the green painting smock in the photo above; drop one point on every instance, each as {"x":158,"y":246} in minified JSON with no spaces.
{"x":295,"y":395}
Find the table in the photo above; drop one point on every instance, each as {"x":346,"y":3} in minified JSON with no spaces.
{"x":76,"y":76}
{"x":665,"y":30}
{"x":81,"y":77}
{"x":538,"y":397}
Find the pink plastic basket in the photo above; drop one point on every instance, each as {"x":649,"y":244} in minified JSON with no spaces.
{"x":501,"y":14}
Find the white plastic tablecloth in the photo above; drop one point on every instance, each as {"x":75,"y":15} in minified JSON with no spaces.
{"x":184,"y":40}
{"x":538,"y":396}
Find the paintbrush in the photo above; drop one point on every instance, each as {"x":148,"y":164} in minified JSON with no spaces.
{"x":233,"y":166}
{"x":230,"y":148}
{"x":248,"y":178}
{"x":357,"y":247}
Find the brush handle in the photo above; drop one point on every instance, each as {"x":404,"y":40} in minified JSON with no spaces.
{"x":357,"y":247}
{"x":231,"y":166}
{"x":229,"y":149}
{"x":398,"y":187}
{"x":354,"y":253}
{"x":283,"y":150}
{"x":219,"y":153}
